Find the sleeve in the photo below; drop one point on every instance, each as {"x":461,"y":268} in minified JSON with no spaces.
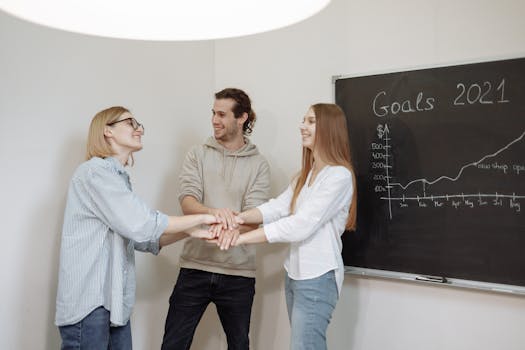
{"x":119,"y":208}
{"x":190,"y":178}
{"x":331,"y":195}
{"x":277,"y":208}
{"x":148,"y":247}
{"x":259,"y":191}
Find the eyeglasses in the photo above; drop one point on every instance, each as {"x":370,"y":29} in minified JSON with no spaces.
{"x":133,"y":122}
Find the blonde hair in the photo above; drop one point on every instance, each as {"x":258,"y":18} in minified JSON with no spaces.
{"x":97,"y":144}
{"x":332,"y":145}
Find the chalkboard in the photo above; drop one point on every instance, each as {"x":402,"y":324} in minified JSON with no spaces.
{"x":440,"y":162}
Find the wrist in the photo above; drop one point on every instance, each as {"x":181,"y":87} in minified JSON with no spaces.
{"x":240,"y":240}
{"x":242,"y":216}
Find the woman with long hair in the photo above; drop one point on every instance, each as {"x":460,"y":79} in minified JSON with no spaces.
{"x":311,"y":215}
{"x":104,"y":223}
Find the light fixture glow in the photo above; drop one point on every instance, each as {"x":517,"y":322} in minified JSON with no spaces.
{"x":163,"y":20}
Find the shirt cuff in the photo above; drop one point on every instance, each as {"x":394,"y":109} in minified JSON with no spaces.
{"x":266,"y":212}
{"x":154,"y":245}
{"x":272,"y":234}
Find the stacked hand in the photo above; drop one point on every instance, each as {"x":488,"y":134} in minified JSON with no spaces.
{"x":203,"y":233}
{"x":227,"y":217}
{"x":226,"y":232}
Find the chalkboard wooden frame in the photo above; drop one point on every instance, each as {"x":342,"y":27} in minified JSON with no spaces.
{"x":409,"y":101}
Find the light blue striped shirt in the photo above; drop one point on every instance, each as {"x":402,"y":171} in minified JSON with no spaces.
{"x":104,"y":222}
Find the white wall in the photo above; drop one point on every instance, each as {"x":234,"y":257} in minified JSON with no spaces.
{"x":51,"y":84}
{"x":287,"y":70}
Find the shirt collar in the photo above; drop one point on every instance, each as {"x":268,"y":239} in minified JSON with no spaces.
{"x":116,"y":165}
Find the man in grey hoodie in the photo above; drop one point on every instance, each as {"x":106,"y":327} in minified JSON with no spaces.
{"x":224,"y":176}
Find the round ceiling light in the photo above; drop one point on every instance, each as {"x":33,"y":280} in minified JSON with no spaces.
{"x":164,"y":20}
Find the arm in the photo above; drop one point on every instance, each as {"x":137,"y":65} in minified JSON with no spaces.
{"x":191,"y":189}
{"x":333,"y":194}
{"x":255,"y":236}
{"x":276,"y":208}
{"x":190,"y":205}
{"x":267,"y":212}
{"x":257,"y":193}
{"x":251,"y":216}
{"x":226,"y":234}
{"x":226,"y":238}
{"x":111,"y":201}
{"x":196,"y":232}
{"x":180,"y":227}
{"x":186,"y":223}
{"x":170,"y":238}
{"x":330,"y":197}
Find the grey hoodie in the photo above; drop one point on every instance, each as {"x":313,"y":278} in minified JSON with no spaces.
{"x":219,"y":178}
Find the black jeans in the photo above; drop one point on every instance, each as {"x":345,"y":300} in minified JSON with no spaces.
{"x":194,"y":290}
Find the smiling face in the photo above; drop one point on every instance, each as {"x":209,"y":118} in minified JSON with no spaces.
{"x":226,"y":128}
{"x":307,"y":128}
{"x":123,"y":136}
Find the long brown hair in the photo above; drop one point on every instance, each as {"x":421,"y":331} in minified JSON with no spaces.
{"x":332,"y":145}
{"x":97,"y":144}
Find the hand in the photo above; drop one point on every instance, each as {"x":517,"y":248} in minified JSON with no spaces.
{"x":228,"y":238}
{"x":227,"y":216}
{"x":208,"y":219}
{"x":216,"y":230}
{"x":197,"y":232}
{"x":238,"y":219}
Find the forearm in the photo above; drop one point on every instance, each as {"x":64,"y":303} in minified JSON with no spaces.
{"x":254,"y":236}
{"x":180,"y":227}
{"x":179,"y":224}
{"x":169,"y":238}
{"x":190,"y":206}
{"x":247,"y":228}
{"x":251,"y":217}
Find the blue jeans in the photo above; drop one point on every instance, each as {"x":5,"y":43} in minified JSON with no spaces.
{"x":310,"y":306}
{"x":94,"y":332}
{"x":194,"y":290}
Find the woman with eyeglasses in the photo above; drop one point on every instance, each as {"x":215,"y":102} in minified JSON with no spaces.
{"x":104,"y":223}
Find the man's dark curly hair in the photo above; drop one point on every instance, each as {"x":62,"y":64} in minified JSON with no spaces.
{"x":242,"y":105}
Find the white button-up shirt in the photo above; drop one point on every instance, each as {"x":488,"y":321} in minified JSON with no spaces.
{"x":314,"y":230}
